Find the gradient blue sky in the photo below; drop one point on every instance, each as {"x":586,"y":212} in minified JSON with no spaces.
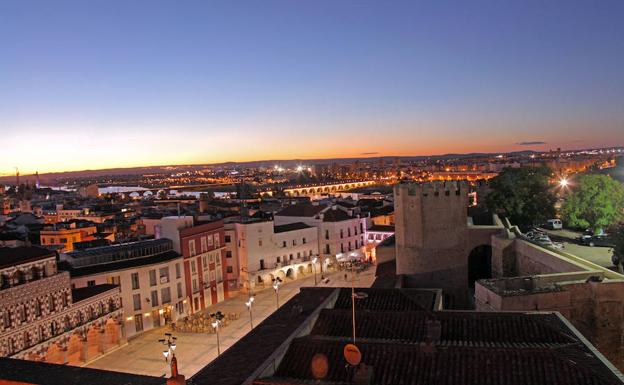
{"x":94,"y":84}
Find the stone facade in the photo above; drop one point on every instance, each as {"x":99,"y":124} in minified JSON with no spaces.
{"x":39,"y":319}
{"x":434,"y":239}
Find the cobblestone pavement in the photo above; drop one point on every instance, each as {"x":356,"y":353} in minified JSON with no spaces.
{"x":143,"y":354}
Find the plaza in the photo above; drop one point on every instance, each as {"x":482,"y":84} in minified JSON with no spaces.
{"x":143,"y":354}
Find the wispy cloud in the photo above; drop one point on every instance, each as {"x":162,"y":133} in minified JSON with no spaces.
{"x":530,"y":143}
{"x":369,"y":153}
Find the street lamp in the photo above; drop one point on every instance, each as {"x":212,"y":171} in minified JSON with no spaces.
{"x":170,"y":342}
{"x":314,"y":260}
{"x":218,"y":316}
{"x":276,"y":285}
{"x":248,"y":304}
{"x":563,"y":182}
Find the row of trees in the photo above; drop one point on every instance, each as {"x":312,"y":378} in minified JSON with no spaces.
{"x":527,"y":196}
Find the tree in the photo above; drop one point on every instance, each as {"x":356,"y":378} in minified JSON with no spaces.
{"x":617,"y":232}
{"x":596,"y":202}
{"x":523,"y":194}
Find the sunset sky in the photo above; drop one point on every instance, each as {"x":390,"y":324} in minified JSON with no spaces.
{"x":99,"y":84}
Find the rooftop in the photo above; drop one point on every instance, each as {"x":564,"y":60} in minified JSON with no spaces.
{"x":336,"y":215}
{"x":381,"y":228}
{"x":31,"y":372}
{"x":86,"y":292}
{"x":290,"y":227}
{"x":11,"y":256}
{"x":301,"y":210}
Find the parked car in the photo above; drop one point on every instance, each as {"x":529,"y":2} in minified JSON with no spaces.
{"x":554,"y":224}
{"x":543,"y":240}
{"x":602,"y":240}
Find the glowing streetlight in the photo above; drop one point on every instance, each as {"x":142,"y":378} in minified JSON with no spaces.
{"x":276,"y":285}
{"x":563,"y":182}
{"x":170,"y":342}
{"x":249,"y":303}
{"x":218,"y":316}
{"x":299,"y":168}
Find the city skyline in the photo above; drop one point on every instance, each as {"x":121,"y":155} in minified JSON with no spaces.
{"x":108,"y":85}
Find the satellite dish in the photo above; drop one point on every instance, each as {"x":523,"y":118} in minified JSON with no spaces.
{"x":352,"y":354}
{"x":319,"y":366}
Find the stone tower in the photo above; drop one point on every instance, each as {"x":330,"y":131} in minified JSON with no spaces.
{"x":431,"y":235}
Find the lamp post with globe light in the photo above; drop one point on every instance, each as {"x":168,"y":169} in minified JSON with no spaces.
{"x":216,"y":323}
{"x":276,"y":285}
{"x":314,"y":260}
{"x":249,"y":304}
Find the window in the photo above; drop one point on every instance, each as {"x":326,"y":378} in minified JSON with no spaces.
{"x":212,"y":276}
{"x":204,"y":245}
{"x":195,"y":288}
{"x":229,"y":269}
{"x":22,"y":313}
{"x":228,"y":239}
{"x":291,"y":257}
{"x":37,"y":308}
{"x":354,"y":230}
{"x":284,"y":244}
{"x":371,"y":236}
{"x":63,"y":240}
{"x":294,"y":242}
{"x":341,"y":234}
{"x":51,"y":304}
{"x":327,"y":248}
{"x":152,"y":275}
{"x":7,"y":318}
{"x":165,"y":295}
{"x":304,"y":241}
{"x":136,"y":299}
{"x":64,"y":299}
{"x":91,"y":283}
{"x":154,"y":297}
{"x":228,"y":254}
{"x":192,"y":248}
{"x":217,"y":241}
{"x":350,"y":246}
{"x":219,"y":275}
{"x":349,"y":232}
{"x":114,"y":280}
{"x":179,"y":289}
{"x":218,"y":259}
{"x":210,"y":240}
{"x":298,"y":255}
{"x":341,"y":248}
{"x":211,"y":258}
{"x":361,"y":227}
{"x":138,"y":322}
{"x":356,"y":244}
{"x":260,"y":242}
{"x":278,"y":259}
{"x":178,"y":272}
{"x":205,"y":263}
{"x":193,"y":269}
{"x":326,"y":234}
{"x":135,"y":280}
{"x":262,"y":264}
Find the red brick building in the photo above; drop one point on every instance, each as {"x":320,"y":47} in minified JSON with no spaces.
{"x":203,"y":249}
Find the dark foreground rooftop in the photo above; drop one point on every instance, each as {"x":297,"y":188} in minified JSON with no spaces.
{"x":40,"y":373}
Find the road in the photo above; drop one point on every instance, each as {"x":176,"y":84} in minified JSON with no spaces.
{"x":598,"y":255}
{"x":143,"y":354}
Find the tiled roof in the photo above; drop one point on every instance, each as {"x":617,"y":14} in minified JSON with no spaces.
{"x":91,"y":291}
{"x":119,"y":265}
{"x":10,"y":256}
{"x":388,"y":299}
{"x":494,"y":328}
{"x":301,"y":210}
{"x":336,"y":215}
{"x":290,"y":227}
{"x":456,"y":364}
{"x":32,"y":372}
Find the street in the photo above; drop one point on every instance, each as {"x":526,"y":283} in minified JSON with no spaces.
{"x":143,"y":354}
{"x":598,"y":255}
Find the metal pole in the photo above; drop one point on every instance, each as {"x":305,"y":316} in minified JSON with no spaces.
{"x":218,"y":346}
{"x":314,"y":266}
{"x":277,"y":297}
{"x":353,"y":299}
{"x":250,"y":317}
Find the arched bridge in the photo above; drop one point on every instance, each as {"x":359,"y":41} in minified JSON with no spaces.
{"x":327,"y":188}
